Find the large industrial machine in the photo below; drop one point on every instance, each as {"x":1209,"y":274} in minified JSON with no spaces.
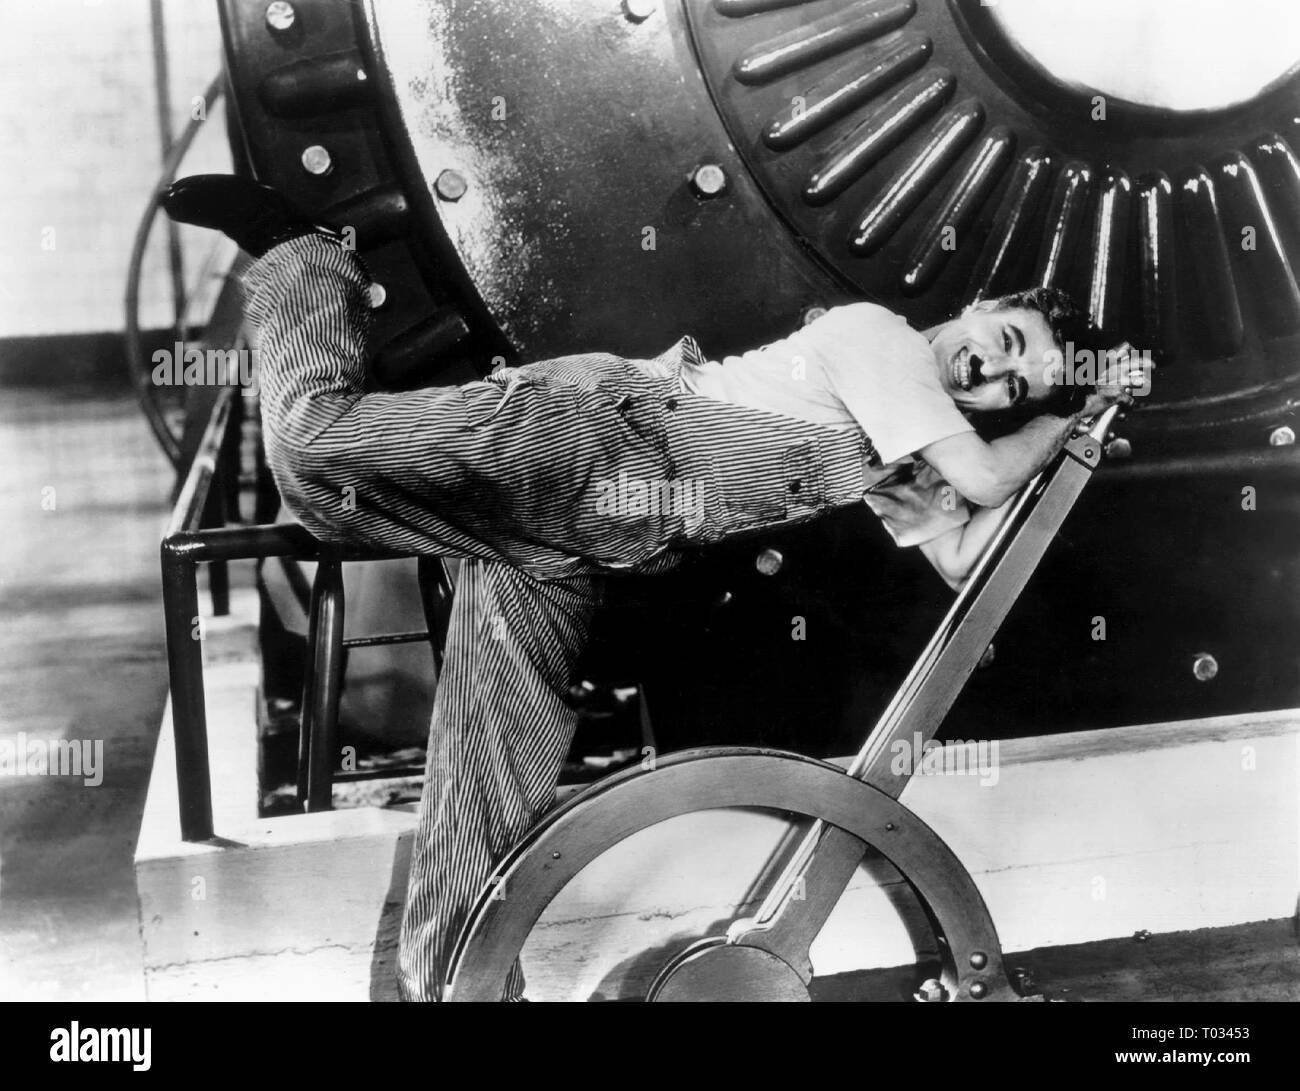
{"x":528,"y":180}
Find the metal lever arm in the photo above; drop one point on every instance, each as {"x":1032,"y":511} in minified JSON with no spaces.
{"x":802,"y":898}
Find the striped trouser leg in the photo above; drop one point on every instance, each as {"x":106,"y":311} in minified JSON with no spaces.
{"x":501,"y":729}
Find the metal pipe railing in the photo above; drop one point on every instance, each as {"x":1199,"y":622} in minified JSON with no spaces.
{"x":184,"y":547}
{"x":183,"y":625}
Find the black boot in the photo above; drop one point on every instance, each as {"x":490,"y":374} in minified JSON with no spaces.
{"x":254,"y":216}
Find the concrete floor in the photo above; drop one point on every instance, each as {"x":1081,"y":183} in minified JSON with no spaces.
{"x":81,"y":657}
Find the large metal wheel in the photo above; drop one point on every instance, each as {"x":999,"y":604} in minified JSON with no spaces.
{"x":605,"y":815}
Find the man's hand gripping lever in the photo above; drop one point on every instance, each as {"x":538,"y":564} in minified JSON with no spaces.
{"x":1125,"y":375}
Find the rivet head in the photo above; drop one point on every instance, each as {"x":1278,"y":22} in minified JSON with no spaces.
{"x":978,"y":990}
{"x":450,"y":185}
{"x":378,"y":296}
{"x":812,"y":312}
{"x":1119,"y":447}
{"x":796,"y":485}
{"x":1205,"y":667}
{"x":890,"y":827}
{"x":1089,"y":452}
{"x":978,"y":960}
{"x":638,"y":11}
{"x":931,"y":991}
{"x":280,"y":15}
{"x":671,"y":405}
{"x":1283,"y":436}
{"x":316,"y":160}
{"x":555,"y":856}
{"x":709,"y":180}
{"x":769,"y":562}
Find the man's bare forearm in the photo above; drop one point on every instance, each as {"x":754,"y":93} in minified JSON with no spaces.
{"x":1020,"y":455}
{"x":989,"y":474}
{"x":954,"y":554}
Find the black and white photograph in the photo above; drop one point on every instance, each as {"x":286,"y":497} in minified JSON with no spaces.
{"x":534,"y":501}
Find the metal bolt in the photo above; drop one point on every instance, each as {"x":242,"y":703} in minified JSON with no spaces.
{"x":987,"y":657}
{"x":316,"y":160}
{"x":580,"y":694}
{"x":555,"y":856}
{"x":450,"y":185}
{"x":1119,"y":447}
{"x":978,"y":960}
{"x":1205,"y":667}
{"x":638,"y":11}
{"x":1089,"y":452}
{"x":978,"y":990}
{"x":378,"y":296}
{"x":709,"y":180}
{"x":931,"y":992}
{"x":1283,"y":436}
{"x":769,"y":562}
{"x":812,"y":313}
{"x":280,"y":15}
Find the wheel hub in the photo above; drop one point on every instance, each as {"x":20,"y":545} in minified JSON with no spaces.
{"x":714,"y":971}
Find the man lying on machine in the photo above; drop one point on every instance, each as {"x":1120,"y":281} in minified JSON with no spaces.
{"x":547,"y":476}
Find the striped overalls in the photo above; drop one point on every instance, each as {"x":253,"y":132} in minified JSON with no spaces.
{"x":543,"y":477}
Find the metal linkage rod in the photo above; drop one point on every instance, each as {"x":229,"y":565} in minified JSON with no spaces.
{"x":796,"y":908}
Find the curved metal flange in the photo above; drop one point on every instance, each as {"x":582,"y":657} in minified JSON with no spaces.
{"x":609,"y":812}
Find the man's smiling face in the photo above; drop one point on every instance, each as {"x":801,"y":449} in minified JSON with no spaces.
{"x":993,"y":358}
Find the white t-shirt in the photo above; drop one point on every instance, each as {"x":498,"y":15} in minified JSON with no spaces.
{"x":862,"y":364}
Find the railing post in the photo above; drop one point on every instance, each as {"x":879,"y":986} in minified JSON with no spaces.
{"x":320,"y":701}
{"x":185,"y":671}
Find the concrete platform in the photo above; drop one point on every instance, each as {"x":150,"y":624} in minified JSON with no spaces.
{"x":1161,"y":829}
